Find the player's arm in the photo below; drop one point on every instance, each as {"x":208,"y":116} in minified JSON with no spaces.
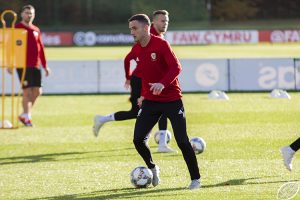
{"x":43,"y":57}
{"x":172,"y":62}
{"x":127,"y":60}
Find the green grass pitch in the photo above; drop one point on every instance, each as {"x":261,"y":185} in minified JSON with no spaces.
{"x":61,"y":159}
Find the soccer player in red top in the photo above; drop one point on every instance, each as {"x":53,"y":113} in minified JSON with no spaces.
{"x":133,"y":81}
{"x":160,"y":69}
{"x":35,"y":58}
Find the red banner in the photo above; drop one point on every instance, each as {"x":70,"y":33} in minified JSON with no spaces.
{"x":279,"y":36}
{"x":57,"y":38}
{"x":175,"y":37}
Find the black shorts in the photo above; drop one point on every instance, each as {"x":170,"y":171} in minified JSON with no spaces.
{"x":33,"y":77}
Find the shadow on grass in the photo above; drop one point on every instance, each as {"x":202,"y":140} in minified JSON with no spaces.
{"x":243,"y":181}
{"x":142,"y":193}
{"x":53,"y":157}
{"x":118,"y":193}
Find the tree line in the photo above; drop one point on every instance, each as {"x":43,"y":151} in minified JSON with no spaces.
{"x":92,"y":12}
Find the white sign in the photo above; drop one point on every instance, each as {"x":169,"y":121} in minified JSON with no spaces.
{"x":281,"y":77}
{"x":262,"y":74}
{"x":297,"y":71}
{"x":212,"y":37}
{"x":197,"y":75}
{"x":112,"y":76}
{"x":91,"y":38}
{"x":207,"y":74}
{"x":204,"y":75}
{"x":9,"y":82}
{"x":72,"y":77}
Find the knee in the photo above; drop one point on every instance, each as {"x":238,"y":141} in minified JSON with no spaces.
{"x":26,"y":93}
{"x":184,"y":144}
{"x":138,"y":141}
{"x":38,"y":92}
{"x":133,"y":112}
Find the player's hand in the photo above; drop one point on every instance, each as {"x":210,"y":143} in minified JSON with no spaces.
{"x":156,"y":88}
{"x":140,"y":101}
{"x":10,"y":70}
{"x":47,"y":71}
{"x":127,"y":84}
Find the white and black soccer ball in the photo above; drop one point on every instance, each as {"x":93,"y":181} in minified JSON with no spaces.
{"x":141,"y":177}
{"x":198,"y":144}
{"x":6,"y":124}
{"x":158,"y":133}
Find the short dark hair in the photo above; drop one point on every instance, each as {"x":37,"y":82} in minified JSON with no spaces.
{"x":160,"y":12}
{"x":30,"y":7}
{"x":142,"y":18}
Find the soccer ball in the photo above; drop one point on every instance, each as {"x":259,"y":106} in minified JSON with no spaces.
{"x":6,"y":124}
{"x":157,"y":136}
{"x":198,"y":144}
{"x":141,"y":177}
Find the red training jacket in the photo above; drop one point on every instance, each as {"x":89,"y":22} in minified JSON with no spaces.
{"x":132,"y":56}
{"x":35,"y":47}
{"x":158,"y":64}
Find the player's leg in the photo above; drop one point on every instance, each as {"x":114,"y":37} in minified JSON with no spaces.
{"x":26,"y":104}
{"x":36,"y":84}
{"x":135,"y":93}
{"x":163,"y":123}
{"x":288,"y":153}
{"x":146,"y":119}
{"x":162,"y":144}
{"x":136,"y":86}
{"x":26,"y":96}
{"x":295,"y":146}
{"x":175,"y":112}
{"x":36,"y":92}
